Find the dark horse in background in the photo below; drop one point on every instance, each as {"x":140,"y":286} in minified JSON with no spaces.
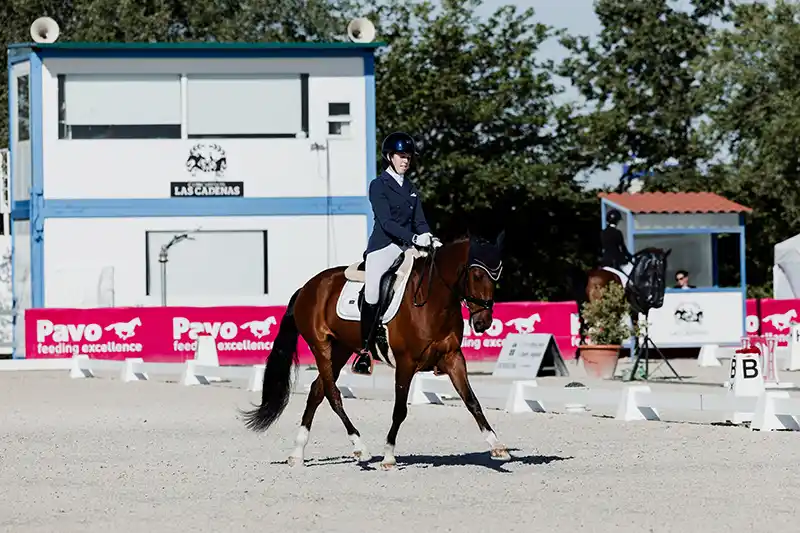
{"x":643,"y":291}
{"x":422,"y":336}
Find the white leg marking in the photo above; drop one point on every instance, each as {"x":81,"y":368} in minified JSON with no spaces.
{"x":498,"y":450}
{"x":388,"y":457}
{"x":296,"y":459}
{"x":359,"y":449}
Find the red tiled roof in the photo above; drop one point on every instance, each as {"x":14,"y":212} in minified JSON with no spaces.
{"x":675,"y":202}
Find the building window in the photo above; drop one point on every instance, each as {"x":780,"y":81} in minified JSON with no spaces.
{"x":339,"y":119}
{"x":212,"y":263}
{"x":100,"y":106}
{"x":255,"y":106}
{"x":23,"y":108}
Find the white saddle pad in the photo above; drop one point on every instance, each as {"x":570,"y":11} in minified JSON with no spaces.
{"x":347,"y":304}
{"x":623,"y":278}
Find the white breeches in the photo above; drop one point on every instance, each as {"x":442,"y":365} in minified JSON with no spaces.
{"x":378,"y":262}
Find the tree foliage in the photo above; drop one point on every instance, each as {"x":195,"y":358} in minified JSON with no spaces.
{"x":706,"y":97}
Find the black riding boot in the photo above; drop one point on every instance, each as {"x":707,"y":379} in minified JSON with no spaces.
{"x":363,"y":362}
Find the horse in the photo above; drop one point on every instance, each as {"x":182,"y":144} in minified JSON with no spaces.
{"x":423,"y":336}
{"x":649,"y":267}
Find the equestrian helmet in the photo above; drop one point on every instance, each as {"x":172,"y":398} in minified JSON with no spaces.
{"x":398,"y":142}
{"x":613,"y":216}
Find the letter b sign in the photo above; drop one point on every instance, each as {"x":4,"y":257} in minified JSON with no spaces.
{"x":749,"y":368}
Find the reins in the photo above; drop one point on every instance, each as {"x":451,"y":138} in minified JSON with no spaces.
{"x":461,"y":285}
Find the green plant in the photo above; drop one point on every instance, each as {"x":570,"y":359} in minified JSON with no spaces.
{"x":606,"y":318}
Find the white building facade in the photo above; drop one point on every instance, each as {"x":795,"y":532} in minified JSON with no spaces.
{"x":261,"y":153}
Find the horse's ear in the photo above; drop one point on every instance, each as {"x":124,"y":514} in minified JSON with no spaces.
{"x":500,"y":239}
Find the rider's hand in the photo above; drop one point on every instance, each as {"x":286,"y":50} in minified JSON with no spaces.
{"x":423,"y":240}
{"x":436,"y":242}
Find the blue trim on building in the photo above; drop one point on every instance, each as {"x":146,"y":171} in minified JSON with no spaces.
{"x":689,"y":231}
{"x":372,"y":165}
{"x":11,"y":178}
{"x":203,"y":207}
{"x":21,"y":56}
{"x":37,"y":184}
{"x":20,"y":211}
{"x":195,"y":53}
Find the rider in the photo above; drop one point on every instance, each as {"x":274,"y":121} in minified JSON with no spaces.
{"x":615,"y":253}
{"x":399,"y":223}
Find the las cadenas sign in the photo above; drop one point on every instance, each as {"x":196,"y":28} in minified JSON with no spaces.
{"x":244,"y":335}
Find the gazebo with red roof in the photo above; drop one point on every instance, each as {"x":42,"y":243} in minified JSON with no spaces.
{"x":688,"y":223}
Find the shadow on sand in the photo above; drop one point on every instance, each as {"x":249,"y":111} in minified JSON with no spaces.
{"x":428,"y":461}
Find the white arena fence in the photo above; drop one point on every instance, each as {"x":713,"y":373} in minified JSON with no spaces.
{"x":769,"y":410}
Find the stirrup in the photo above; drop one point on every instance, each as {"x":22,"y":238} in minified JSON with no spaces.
{"x":359,"y":364}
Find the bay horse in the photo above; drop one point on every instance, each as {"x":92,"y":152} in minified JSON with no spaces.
{"x":649,"y":267}
{"x":422,"y":336}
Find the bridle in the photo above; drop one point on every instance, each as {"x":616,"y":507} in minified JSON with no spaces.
{"x":460,"y":288}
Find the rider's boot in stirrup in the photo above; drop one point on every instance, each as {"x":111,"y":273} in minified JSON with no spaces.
{"x":364,"y":362}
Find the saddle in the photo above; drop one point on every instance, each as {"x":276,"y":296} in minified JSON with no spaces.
{"x":391,"y":289}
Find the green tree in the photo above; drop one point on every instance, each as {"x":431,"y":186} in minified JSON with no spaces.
{"x":639,"y":81}
{"x":751,"y":77}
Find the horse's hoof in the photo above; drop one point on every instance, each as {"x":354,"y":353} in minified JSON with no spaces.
{"x":295,"y":461}
{"x":389,"y":464}
{"x":362,"y":456}
{"x":500,"y":454}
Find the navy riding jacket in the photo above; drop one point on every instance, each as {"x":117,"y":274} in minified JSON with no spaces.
{"x":398,"y":213}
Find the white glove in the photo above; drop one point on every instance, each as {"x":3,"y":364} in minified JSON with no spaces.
{"x":436,"y":242}
{"x":423,"y":240}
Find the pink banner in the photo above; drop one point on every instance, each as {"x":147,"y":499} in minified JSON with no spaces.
{"x":558,"y":318}
{"x":244,"y":335}
{"x":773,"y":316}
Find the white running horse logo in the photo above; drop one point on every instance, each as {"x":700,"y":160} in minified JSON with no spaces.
{"x":525,"y":325}
{"x":260,"y":328}
{"x":781,"y":321}
{"x":124,"y":330}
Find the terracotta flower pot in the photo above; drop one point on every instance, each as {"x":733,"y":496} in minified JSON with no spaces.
{"x":600,"y":360}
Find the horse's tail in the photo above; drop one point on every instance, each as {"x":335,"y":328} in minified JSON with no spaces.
{"x":276,"y":391}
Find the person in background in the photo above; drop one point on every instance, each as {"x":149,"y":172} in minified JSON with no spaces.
{"x":682,"y":280}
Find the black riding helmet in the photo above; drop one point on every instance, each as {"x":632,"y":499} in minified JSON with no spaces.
{"x":398,"y":142}
{"x":613,"y":216}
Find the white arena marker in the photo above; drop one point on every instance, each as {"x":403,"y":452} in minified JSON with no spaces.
{"x":206,"y":354}
{"x":421,"y":394}
{"x":130,"y":372}
{"x":80,"y":367}
{"x":189,"y":376}
{"x":792,"y":360}
{"x":708,"y":356}
{"x":629,"y":408}
{"x":746,"y":380}
{"x":517,"y":401}
{"x":256,"y":381}
{"x":766,"y":418}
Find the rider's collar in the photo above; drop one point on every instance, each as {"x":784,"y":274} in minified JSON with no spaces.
{"x":397,"y":177}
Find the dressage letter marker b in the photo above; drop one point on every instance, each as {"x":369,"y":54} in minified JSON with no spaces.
{"x":750,"y":368}
{"x":746,"y":380}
